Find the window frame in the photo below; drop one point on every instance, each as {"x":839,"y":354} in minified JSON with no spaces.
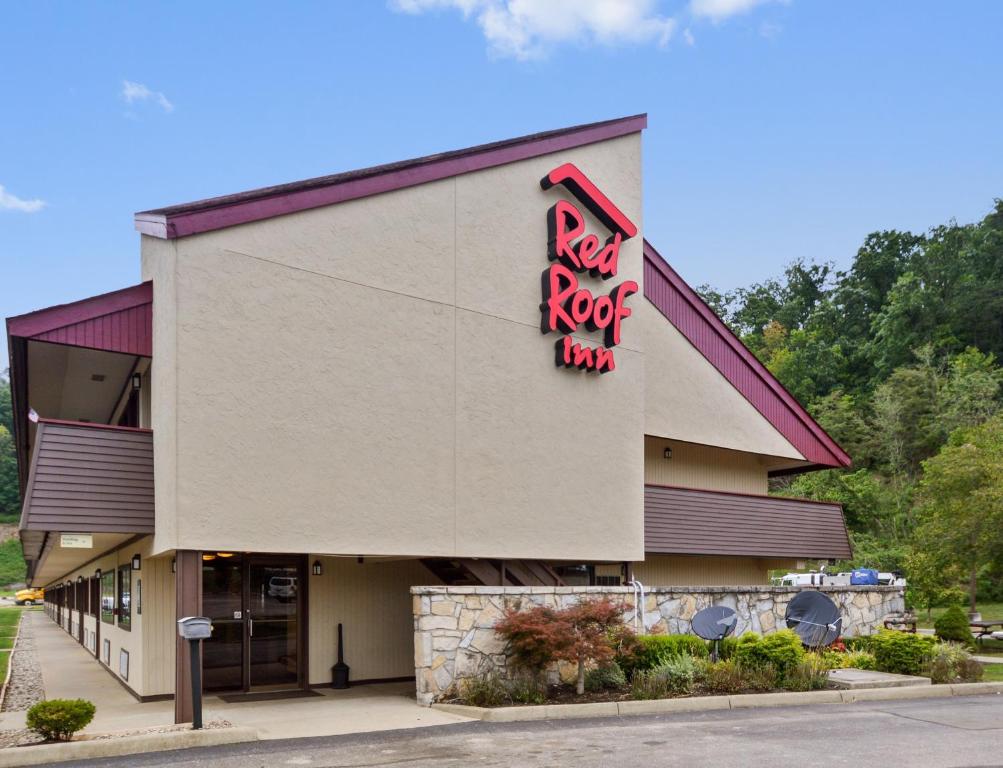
{"x":123,"y":597}
{"x":107,"y":591}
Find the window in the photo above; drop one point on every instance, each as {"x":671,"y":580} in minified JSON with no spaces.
{"x":124,"y":602}
{"x":108,"y":597}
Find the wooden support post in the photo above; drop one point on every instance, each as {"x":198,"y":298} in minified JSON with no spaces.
{"x":188,"y":592}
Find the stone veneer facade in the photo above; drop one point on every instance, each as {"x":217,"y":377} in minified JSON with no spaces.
{"x":454,"y":633}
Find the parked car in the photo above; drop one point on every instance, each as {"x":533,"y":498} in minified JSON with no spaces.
{"x":282,"y":587}
{"x":29,"y":596}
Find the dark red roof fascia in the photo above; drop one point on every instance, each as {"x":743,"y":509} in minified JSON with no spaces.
{"x":219,"y":212}
{"x":120,"y":321}
{"x":681,"y":305}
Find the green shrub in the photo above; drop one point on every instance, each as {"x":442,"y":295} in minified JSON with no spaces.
{"x":809,"y":674}
{"x":860,"y":643}
{"x":484,"y":691}
{"x":60,"y":718}
{"x":952,"y":626}
{"x":952,"y":663}
{"x":725,"y":648}
{"x":675,"y":677}
{"x":646,"y":652}
{"x":605,"y":678}
{"x":901,"y":653}
{"x":858,"y":660}
{"x":759,"y":678}
{"x":782,"y":650}
{"x":723,"y":677}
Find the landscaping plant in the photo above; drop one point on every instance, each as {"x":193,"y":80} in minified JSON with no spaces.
{"x":484,"y":691}
{"x":60,"y":718}
{"x":901,"y":652}
{"x":782,"y":650}
{"x":723,"y":677}
{"x":649,"y":651}
{"x":952,"y":663}
{"x":605,"y":678}
{"x":809,"y":674}
{"x":675,"y":677}
{"x":952,"y":626}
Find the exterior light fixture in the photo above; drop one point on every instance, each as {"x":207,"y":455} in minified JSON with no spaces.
{"x":137,"y":382}
{"x":174,"y":565}
{"x":136,"y":562}
{"x":667,"y":453}
{"x":318,"y":569}
{"x":80,"y":579}
{"x":224,"y":554}
{"x":208,"y":556}
{"x":97,"y":574}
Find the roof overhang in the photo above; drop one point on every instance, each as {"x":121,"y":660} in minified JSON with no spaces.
{"x":219,"y":212}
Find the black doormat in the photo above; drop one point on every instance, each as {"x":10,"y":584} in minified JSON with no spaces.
{"x":237,"y":698}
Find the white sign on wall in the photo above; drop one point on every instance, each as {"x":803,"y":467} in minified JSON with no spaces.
{"x":76,"y":541}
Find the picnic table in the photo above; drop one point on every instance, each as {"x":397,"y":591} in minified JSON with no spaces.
{"x":983,"y":628}
{"x":905,"y":622}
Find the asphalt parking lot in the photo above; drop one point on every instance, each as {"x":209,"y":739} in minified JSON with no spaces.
{"x":924,"y":733}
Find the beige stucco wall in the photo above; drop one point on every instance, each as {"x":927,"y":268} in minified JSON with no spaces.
{"x":372,"y":601}
{"x":704,"y":466}
{"x":687,"y":398}
{"x":706,"y":570}
{"x":374,"y":372}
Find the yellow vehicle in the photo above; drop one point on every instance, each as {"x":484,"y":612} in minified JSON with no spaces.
{"x":29,"y":596}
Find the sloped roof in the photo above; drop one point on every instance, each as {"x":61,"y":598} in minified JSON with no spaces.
{"x":218,"y":212}
{"x":120,"y":321}
{"x":682,"y":307}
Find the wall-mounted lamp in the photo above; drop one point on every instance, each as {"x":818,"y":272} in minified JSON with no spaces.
{"x":174,"y":565}
{"x":80,"y":579}
{"x":318,"y":569}
{"x":361,"y":560}
{"x":137,"y":382}
{"x":667,"y":453}
{"x":136,"y":562}
{"x":97,"y":574}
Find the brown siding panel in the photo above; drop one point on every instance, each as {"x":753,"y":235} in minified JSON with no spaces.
{"x":90,"y":479}
{"x":687,"y":521}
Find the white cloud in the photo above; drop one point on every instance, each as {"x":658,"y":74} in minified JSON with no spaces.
{"x":525,"y":29}
{"x":133,"y":92}
{"x":719,"y":10}
{"x":11,"y":202}
{"x":688,"y":37}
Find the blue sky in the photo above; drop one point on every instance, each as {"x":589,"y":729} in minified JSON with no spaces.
{"x":777,"y":130}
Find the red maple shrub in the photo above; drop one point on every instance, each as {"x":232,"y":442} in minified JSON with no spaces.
{"x":588,"y":632}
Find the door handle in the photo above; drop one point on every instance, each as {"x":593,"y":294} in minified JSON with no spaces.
{"x":250,"y":627}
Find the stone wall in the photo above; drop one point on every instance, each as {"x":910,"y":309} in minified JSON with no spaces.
{"x":454,"y":636}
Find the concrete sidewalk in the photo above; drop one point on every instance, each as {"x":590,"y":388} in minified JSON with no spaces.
{"x":69,"y":672}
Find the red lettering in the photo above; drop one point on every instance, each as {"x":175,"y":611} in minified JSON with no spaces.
{"x":582,"y":357}
{"x":581,"y":306}
{"x":562,"y":236}
{"x":559,"y":286}
{"x":604,"y":360}
{"x":608,"y":258}
{"x":603,"y":314}
{"x":620,"y":311}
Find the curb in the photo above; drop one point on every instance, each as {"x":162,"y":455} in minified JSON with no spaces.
{"x":45,"y":754}
{"x":10,"y":661}
{"x":707,"y":703}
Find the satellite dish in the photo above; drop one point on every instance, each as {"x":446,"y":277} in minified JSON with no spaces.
{"x":815,"y":618}
{"x":715,"y":623}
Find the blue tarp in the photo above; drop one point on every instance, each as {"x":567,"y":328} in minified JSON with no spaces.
{"x":864,"y":577}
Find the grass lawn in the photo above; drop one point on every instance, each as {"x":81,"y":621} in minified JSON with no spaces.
{"x":4,"y":661}
{"x":9,"y":617}
{"x":993,"y":673}
{"x":989,"y":611}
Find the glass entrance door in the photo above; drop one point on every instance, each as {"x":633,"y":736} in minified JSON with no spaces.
{"x":254,"y":603}
{"x":273,"y":624}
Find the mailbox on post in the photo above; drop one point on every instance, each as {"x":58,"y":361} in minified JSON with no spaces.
{"x":195,"y":629}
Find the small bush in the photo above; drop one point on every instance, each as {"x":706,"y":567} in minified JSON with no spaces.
{"x":673,"y":678}
{"x":484,"y":691}
{"x":723,"y":677}
{"x":760,"y":678}
{"x":953,"y":626}
{"x":60,"y":718}
{"x":901,"y":653}
{"x":649,"y":651}
{"x":606,"y":678}
{"x":725,"y":648}
{"x":809,"y":674}
{"x":782,"y":650}
{"x":860,"y":643}
{"x":527,"y":690}
{"x":952,"y":663}
{"x":858,"y":660}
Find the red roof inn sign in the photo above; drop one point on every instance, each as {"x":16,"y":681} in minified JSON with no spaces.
{"x":566,"y":304}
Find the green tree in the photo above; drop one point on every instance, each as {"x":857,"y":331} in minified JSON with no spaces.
{"x":961,"y":502}
{"x":10,"y":497}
